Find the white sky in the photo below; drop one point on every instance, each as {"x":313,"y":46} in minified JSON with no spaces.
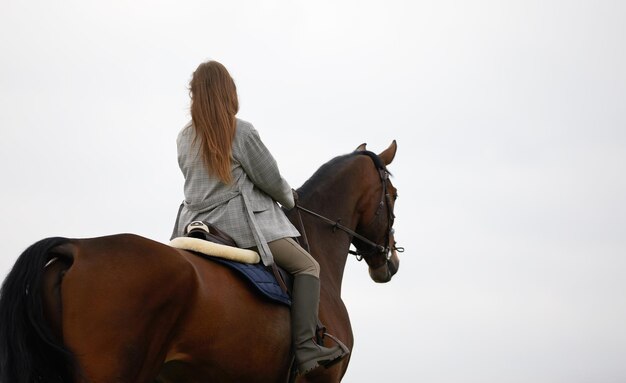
{"x":511,"y":126}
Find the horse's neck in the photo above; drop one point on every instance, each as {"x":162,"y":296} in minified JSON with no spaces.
{"x":335,"y":199}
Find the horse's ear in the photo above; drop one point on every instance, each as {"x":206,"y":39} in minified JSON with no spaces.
{"x":361,"y":148}
{"x":388,"y":154}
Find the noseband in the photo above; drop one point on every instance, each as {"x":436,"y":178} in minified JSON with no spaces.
{"x":384,"y":199}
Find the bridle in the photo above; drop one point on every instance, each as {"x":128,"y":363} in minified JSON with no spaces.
{"x":385,"y":198}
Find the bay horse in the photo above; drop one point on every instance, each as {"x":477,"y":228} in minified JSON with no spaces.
{"x":124,"y":308}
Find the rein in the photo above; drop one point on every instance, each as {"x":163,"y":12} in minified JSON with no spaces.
{"x":336,"y":225}
{"x":385,"y":198}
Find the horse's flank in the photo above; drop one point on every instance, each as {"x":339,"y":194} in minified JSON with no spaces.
{"x":182,"y":308}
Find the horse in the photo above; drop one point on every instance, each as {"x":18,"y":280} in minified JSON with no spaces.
{"x":124,"y":308}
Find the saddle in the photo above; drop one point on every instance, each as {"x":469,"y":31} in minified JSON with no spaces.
{"x":208,"y":232}
{"x":209,"y":242}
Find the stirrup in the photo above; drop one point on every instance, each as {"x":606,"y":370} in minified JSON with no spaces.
{"x":344,"y":351}
{"x":342,"y":346}
{"x":326,"y":357}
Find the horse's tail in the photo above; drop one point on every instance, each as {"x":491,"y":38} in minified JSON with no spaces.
{"x":29,"y":352}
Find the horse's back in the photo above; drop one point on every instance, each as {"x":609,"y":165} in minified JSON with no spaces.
{"x":130,"y":305}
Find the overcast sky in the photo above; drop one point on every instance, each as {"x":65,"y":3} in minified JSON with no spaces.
{"x":510,"y":118}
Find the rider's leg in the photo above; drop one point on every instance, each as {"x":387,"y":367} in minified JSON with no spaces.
{"x":305,"y":304}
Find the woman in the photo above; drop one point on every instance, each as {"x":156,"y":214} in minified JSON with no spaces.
{"x":233,"y":182}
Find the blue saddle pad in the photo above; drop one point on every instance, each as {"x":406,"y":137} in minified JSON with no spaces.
{"x":261,"y":278}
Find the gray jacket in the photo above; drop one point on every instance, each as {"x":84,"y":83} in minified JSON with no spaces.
{"x":246,"y":209}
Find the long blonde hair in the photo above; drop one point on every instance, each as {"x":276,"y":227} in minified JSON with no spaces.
{"x":214,"y":105}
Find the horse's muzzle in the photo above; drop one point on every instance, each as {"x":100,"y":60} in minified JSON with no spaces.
{"x":386,"y":271}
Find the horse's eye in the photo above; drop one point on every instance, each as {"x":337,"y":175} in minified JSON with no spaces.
{"x":395,"y":197}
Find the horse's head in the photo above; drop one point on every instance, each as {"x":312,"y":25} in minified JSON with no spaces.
{"x":377,"y":245}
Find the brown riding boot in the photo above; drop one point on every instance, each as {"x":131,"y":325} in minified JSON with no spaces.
{"x":304,"y":311}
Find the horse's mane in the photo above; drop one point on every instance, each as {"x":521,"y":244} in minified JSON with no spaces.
{"x":325,"y":173}
{"x":333,"y":167}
